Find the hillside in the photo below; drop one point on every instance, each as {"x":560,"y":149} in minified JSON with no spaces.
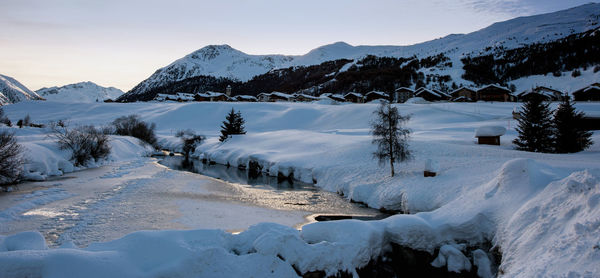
{"x":80,"y":92}
{"x":222,"y":65}
{"x":12,"y":91}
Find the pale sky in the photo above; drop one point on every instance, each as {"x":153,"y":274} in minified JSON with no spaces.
{"x":119,"y":43}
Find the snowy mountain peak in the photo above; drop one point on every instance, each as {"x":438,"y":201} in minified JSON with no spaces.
{"x":12,"y":91}
{"x":80,"y":92}
{"x":211,"y":52}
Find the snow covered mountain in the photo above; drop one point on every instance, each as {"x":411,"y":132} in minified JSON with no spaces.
{"x":224,"y":61}
{"x":80,"y":92}
{"x":12,"y":91}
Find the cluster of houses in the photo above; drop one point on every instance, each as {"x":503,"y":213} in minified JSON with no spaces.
{"x":463,"y":94}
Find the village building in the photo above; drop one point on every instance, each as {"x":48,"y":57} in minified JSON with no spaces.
{"x":183,"y":97}
{"x":263,"y":97}
{"x":589,"y":93}
{"x":402,"y":94}
{"x":305,"y":98}
{"x":431,"y":95}
{"x":489,"y":135}
{"x":495,"y":93}
{"x":464,"y":94}
{"x":211,"y":96}
{"x":354,"y":97}
{"x":165,"y":97}
{"x":376,"y":95}
{"x":244,"y":98}
{"x":542,"y":92}
{"x":335,"y":97}
{"x":279,"y":96}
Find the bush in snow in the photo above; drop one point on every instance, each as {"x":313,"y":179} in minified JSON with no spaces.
{"x":576,"y":73}
{"x":569,"y":136}
{"x":389,"y":135}
{"x":190,"y":141}
{"x":84,"y":142}
{"x":3,"y":118}
{"x":535,"y":127}
{"x":11,"y":161}
{"x":132,"y":126}
{"x":233,"y":124}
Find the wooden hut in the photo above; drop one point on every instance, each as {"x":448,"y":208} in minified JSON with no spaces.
{"x":264,"y":97}
{"x":464,"y":94}
{"x":495,"y":93}
{"x":542,"y":92}
{"x":376,"y":95}
{"x":304,"y":98}
{"x":354,"y":97}
{"x":244,"y":98}
{"x":279,"y":96}
{"x":430,"y":95}
{"x":589,"y":93}
{"x":489,"y":135}
{"x":402,"y":94}
{"x":336,"y":97}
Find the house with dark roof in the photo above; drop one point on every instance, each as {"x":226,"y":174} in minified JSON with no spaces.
{"x":304,"y":98}
{"x":402,"y":94}
{"x":244,"y":98}
{"x":589,"y":93}
{"x":335,"y":97}
{"x":279,"y":96}
{"x":211,"y":96}
{"x":495,"y":92}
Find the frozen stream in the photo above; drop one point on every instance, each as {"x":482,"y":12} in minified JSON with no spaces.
{"x":109,"y":202}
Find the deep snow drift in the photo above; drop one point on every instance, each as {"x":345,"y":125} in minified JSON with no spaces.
{"x":540,"y":210}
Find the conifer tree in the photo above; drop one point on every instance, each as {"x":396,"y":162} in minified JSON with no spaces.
{"x":570,"y":137}
{"x":233,"y":124}
{"x":535,"y":127}
{"x":390,"y":136}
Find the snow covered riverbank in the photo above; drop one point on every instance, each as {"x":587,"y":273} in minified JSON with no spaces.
{"x":538,"y":209}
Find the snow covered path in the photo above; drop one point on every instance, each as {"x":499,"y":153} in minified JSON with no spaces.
{"x":105,"y":203}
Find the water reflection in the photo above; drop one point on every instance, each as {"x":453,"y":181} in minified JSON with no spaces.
{"x":234,"y":175}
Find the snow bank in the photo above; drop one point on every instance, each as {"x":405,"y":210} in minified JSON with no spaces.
{"x":490,"y":131}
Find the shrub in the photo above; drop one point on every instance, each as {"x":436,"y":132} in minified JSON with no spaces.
{"x":11,"y":160}
{"x":84,"y":142}
{"x":190,"y":141}
{"x":132,"y":126}
{"x":3,"y":118}
{"x":576,"y":73}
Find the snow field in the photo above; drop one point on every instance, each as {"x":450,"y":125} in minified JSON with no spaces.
{"x":536,"y":208}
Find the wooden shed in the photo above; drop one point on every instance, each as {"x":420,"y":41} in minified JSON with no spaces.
{"x":489,"y":135}
{"x":545,"y":93}
{"x":354,"y":97}
{"x":463,"y":94}
{"x":589,"y":93}
{"x":376,"y":95}
{"x":402,"y":94}
{"x":430,"y":95}
{"x":495,"y":93}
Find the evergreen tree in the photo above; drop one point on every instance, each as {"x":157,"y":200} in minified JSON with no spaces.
{"x":570,"y":137}
{"x":390,"y":136}
{"x":535,"y":127}
{"x":233,"y":124}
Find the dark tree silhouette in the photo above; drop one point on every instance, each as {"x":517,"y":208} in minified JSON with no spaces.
{"x":233,"y":124}
{"x":190,"y":141}
{"x":570,"y":137}
{"x":390,"y":136}
{"x":535,"y":127}
{"x":11,"y":160}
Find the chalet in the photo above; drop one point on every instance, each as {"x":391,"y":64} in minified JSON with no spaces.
{"x":305,"y":98}
{"x":182,"y":97}
{"x":211,"y":96}
{"x":354,"y":97}
{"x":376,"y":95}
{"x":542,"y":92}
{"x":463,"y":94}
{"x":589,"y":93}
{"x":164,"y":97}
{"x":279,"y":96}
{"x":495,"y":93}
{"x":264,"y":97}
{"x":244,"y":98}
{"x":335,"y":97}
{"x":431,"y":95}
{"x":402,"y":94}
{"x":489,"y":135}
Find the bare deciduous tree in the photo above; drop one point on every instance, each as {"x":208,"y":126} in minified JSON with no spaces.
{"x":390,"y":136}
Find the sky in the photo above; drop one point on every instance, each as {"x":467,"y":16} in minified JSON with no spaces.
{"x":119,"y":43}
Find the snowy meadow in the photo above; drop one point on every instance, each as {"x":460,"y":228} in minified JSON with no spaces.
{"x":490,"y":210}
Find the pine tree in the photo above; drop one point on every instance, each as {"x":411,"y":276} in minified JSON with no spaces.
{"x":390,"y":136}
{"x":535,"y":127}
{"x":233,"y":124}
{"x":570,"y":137}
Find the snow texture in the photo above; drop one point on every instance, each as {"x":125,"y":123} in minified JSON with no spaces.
{"x":80,"y":92}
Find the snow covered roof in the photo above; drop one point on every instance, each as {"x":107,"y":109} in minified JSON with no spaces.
{"x":377,"y":93}
{"x":244,"y":97}
{"x":210,"y":94}
{"x":425,"y":90}
{"x":404,"y":89}
{"x":306,"y":96}
{"x":497,"y":87}
{"x":353,"y":94}
{"x":280,"y":94}
{"x":463,"y":88}
{"x":490,"y":130}
{"x":591,"y":88}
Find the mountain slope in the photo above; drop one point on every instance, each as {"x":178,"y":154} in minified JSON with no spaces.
{"x":80,"y":92}
{"x":12,"y":91}
{"x":224,"y":61}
